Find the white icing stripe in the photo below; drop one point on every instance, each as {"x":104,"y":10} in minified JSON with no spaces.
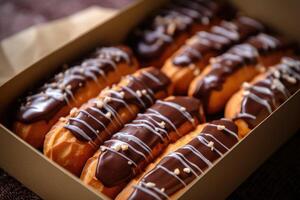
{"x":226,"y":129}
{"x":125,"y":104}
{"x":260,"y":101}
{"x":84,"y":123}
{"x":156,"y":128}
{"x":147,"y":127}
{"x":247,"y":115}
{"x":137,"y":141}
{"x":183,"y":161}
{"x":114,"y":113}
{"x":99,"y":122}
{"x":100,"y":112}
{"x":205,"y":142}
{"x":147,"y":191}
{"x":157,"y":190}
{"x":198,"y":154}
{"x":149,"y":75}
{"x":263,"y":90}
{"x":79,"y":131}
{"x":160,"y":116}
{"x":127,"y":158}
{"x":144,"y":86}
{"x":131,"y":147}
{"x":178,"y":107}
{"x":135,"y":95}
{"x":172,"y":174}
{"x":218,"y":141}
{"x":231,"y":34}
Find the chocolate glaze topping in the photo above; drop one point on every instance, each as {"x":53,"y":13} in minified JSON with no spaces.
{"x":150,"y":38}
{"x":264,"y":96}
{"x":217,"y":40}
{"x":129,"y":151}
{"x":140,"y":90}
{"x":236,"y":57}
{"x":181,"y":167}
{"x":59,"y":91}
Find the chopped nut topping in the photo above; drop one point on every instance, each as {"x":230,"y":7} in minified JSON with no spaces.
{"x":124,"y":147}
{"x":162,"y":124}
{"x":144,"y":92}
{"x":117,"y":147}
{"x":196,"y":72}
{"x":150,"y":184}
{"x":187,"y":170}
{"x":107,"y":99}
{"x":176,"y":171}
{"x":99,"y":104}
{"x":139,"y":93}
{"x":122,"y":94}
{"x":246,"y":85}
{"x":246,"y":93}
{"x":73,"y":112}
{"x":108,"y":115}
{"x":211,"y":145}
{"x":220,"y":127}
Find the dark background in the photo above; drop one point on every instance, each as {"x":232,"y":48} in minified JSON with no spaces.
{"x":277,"y":178}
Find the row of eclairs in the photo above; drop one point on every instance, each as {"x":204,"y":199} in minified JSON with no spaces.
{"x":131,"y":120}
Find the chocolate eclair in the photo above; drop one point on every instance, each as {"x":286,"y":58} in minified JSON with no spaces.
{"x":43,"y":107}
{"x":258,"y":99}
{"x":225,"y":73}
{"x":181,"y":166}
{"x":140,"y":142}
{"x":187,"y":62}
{"x":76,"y":137}
{"x":163,"y":33}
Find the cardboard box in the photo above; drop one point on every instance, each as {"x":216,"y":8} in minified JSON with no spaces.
{"x":50,"y":181}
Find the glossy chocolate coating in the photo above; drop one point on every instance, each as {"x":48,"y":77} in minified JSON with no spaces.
{"x":145,"y":138}
{"x":179,"y":168}
{"x":151,"y":38}
{"x":236,"y":57}
{"x":140,"y":90}
{"x":264,"y":96}
{"x":217,"y":40}
{"x":59,"y":91}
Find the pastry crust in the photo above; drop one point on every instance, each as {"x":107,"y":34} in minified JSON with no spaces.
{"x":280,"y":81}
{"x":88,"y":175}
{"x":127,"y":191}
{"x":184,"y":141}
{"x":34,"y":131}
{"x":188,"y":61}
{"x":218,"y":98}
{"x":223,"y":77}
{"x":71,"y":152}
{"x":169,"y":29}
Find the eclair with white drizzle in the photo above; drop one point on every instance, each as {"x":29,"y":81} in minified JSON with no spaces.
{"x":160,"y":35}
{"x":76,"y":138}
{"x":140,"y":142}
{"x":259,"y":98}
{"x":223,"y":77}
{"x":187,"y":62}
{"x":183,"y":162}
{"x":40,"y":110}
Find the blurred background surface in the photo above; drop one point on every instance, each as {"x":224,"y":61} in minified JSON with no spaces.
{"x":17,"y":15}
